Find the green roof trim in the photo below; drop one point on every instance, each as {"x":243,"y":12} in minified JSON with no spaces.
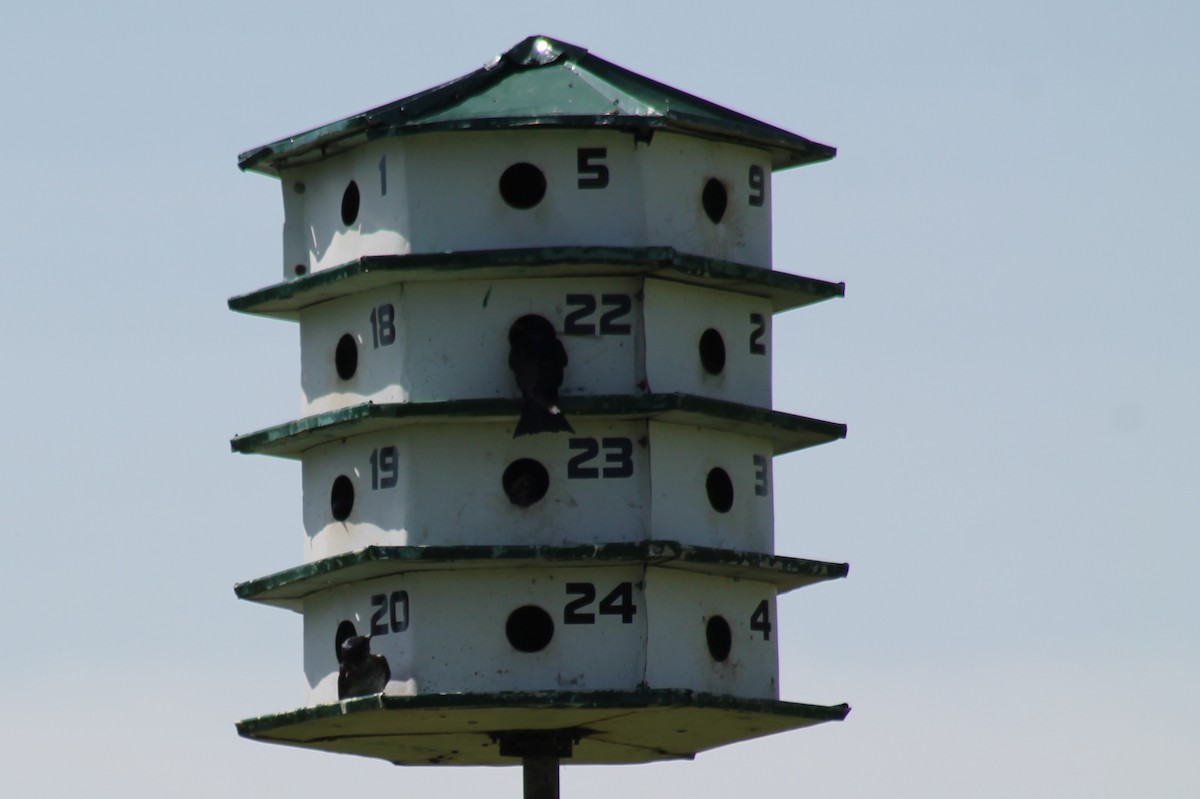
{"x":786,"y":431}
{"x":287,"y":299}
{"x":541,"y":83}
{"x":288,"y":588}
{"x":610,"y":726}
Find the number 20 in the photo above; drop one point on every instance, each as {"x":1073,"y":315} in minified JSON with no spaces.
{"x":395,"y":607}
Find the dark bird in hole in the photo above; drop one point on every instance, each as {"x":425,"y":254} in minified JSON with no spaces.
{"x":360,"y":673}
{"x":537,"y":359}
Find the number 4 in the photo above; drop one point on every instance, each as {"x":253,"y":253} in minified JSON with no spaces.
{"x":760,"y":620}
{"x":619,"y":602}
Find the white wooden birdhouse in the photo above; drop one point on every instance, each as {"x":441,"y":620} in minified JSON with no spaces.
{"x":535,"y":431}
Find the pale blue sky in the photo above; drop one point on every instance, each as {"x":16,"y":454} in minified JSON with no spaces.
{"x":1013,"y":210}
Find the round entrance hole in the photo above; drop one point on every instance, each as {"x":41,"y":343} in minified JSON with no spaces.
{"x":715,"y":200}
{"x":720,"y":490}
{"x":529,"y":629}
{"x":719,"y":638}
{"x":345,"y":357}
{"x":525,"y":481}
{"x":341,"y":498}
{"x":522,"y":185}
{"x":712,"y":351}
{"x":344,"y":630}
{"x":350,"y":202}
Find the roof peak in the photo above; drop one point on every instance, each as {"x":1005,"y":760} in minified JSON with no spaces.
{"x":540,"y":51}
{"x":542,"y":83}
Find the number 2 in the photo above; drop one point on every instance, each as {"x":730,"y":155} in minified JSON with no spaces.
{"x":757,"y":347}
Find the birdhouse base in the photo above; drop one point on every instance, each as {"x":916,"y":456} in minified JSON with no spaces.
{"x":607,"y":727}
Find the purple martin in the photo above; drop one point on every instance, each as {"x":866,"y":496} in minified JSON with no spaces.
{"x":360,"y":673}
{"x":537,"y":359}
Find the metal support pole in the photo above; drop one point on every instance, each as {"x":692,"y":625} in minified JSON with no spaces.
{"x":540,"y":752}
{"x":541,"y":776}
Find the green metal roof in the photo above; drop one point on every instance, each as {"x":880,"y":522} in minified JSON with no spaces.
{"x":288,"y":588}
{"x":285,"y":300}
{"x":787,"y":432}
{"x":541,"y":83}
{"x":461,"y":729}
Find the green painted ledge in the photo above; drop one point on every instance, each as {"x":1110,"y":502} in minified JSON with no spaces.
{"x":787,"y":432}
{"x":288,"y":588}
{"x":285,"y":300}
{"x":609,"y":726}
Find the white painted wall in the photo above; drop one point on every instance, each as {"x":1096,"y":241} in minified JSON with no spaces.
{"x":449,"y":490}
{"x":677,"y":652}
{"x":677,"y":315}
{"x":442,"y":195}
{"x":451,"y":340}
{"x":681,"y":459}
{"x":456,"y":642}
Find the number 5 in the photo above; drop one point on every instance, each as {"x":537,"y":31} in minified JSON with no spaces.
{"x":592,"y":175}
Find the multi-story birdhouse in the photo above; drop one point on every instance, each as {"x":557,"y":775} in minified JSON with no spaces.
{"x":535,"y":431}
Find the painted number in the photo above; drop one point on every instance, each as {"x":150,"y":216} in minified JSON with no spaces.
{"x":592,"y":175}
{"x":383,"y":325}
{"x":761,"y":486}
{"x":578,"y":321}
{"x":385,"y":471}
{"x":395,"y":608}
{"x":618,"y":602}
{"x":618,"y":458}
{"x":757,"y":346}
{"x":758,"y":186}
{"x":760,"y":620}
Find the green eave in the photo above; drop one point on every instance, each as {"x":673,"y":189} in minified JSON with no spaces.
{"x":287,"y":589}
{"x":463,"y":729}
{"x":787,"y":432}
{"x":785,"y":291}
{"x":541,"y":83}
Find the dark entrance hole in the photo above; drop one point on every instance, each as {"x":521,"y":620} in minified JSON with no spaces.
{"x":529,"y":629}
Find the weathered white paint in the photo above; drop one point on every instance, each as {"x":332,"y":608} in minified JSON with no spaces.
{"x":442,"y":195}
{"x":676,"y":644}
{"x":450,"y":490}
{"x":455,"y":640}
{"x":681,"y":459}
{"x":451,"y":341}
{"x":676,"y":316}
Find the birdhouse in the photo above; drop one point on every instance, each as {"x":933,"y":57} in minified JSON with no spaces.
{"x":535,"y":431}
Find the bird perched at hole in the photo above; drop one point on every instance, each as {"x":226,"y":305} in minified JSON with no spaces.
{"x":537,"y":359}
{"x":360,"y":673}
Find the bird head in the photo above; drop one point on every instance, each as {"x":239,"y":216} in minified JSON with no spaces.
{"x":356,"y":647}
{"x":529,"y":328}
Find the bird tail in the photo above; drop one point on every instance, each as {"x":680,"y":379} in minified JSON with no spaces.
{"x":538,"y":419}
